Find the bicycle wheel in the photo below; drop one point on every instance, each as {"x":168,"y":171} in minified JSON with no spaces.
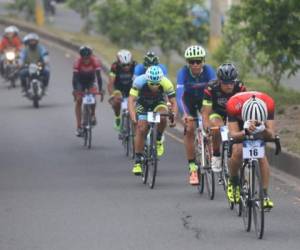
{"x":224,"y":164}
{"x":208,"y":173}
{"x":245,"y":197}
{"x":152,"y":160}
{"x":84,"y":124}
{"x":89,"y":127}
{"x":123,"y":131}
{"x":145,"y":165}
{"x":257,"y":200}
{"x":198,"y":157}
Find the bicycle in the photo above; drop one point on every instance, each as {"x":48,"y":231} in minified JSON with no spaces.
{"x":252,"y":198}
{"x":88,"y":101}
{"x":150,"y":158}
{"x":127,"y":130}
{"x":203,"y":154}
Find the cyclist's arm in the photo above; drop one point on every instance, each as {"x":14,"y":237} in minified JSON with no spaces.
{"x":206,"y":107}
{"x":131,"y":103}
{"x":111,"y":83}
{"x":269,"y":132}
{"x":99,"y":79}
{"x":234,"y":130}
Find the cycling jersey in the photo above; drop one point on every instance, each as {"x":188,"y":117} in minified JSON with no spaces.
{"x":6,"y":43}
{"x":87,"y":73}
{"x":147,"y":97}
{"x":123,"y":79}
{"x":140,"y":69}
{"x":235,"y":104}
{"x":190,"y":88}
{"x":217,"y":99}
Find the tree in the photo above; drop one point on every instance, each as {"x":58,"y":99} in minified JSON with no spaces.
{"x":269,"y":33}
{"x":83,"y":7}
{"x":164,"y":23}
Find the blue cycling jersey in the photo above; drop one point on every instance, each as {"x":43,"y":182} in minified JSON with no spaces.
{"x":140,"y":69}
{"x":192,"y":86}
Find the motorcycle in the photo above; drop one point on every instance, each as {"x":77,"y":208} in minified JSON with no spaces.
{"x":10,"y":67}
{"x":35,"y":86}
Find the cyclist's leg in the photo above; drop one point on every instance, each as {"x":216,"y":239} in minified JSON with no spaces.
{"x":116,"y":105}
{"x":216,"y":121}
{"x":140,"y":133}
{"x":161,"y":108}
{"x":78,"y":91}
{"x":265,"y":173}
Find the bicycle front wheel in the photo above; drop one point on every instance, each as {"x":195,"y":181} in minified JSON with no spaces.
{"x":152,"y":160}
{"x":245,"y":197}
{"x":257,"y":201}
{"x":208,"y":173}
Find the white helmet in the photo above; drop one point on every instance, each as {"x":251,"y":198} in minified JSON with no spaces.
{"x":10,"y":30}
{"x":195,"y":51}
{"x":254,"y":109}
{"x":124,"y":56}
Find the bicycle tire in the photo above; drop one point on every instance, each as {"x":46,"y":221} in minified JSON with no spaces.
{"x":152,"y":160}
{"x":123,"y":131}
{"x":257,"y":201}
{"x":198,"y":158}
{"x":245,"y":197}
{"x":145,"y":165}
{"x":208,"y":173}
{"x":127,"y":135}
{"x":89,"y":128}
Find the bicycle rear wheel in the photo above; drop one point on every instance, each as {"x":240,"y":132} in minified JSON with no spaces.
{"x":145,"y":165}
{"x":208,"y":173}
{"x":245,"y":197}
{"x":257,"y":201}
{"x":198,"y":157}
{"x":124,"y":133}
{"x":152,"y":160}
{"x":89,"y":128}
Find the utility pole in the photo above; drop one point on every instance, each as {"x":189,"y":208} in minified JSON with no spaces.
{"x":215,"y":24}
{"x":39,"y":13}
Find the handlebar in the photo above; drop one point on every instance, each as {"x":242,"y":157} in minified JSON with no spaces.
{"x":275,"y":140}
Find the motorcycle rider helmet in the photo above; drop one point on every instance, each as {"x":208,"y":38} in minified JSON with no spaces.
{"x":32,"y":40}
{"x":9,"y":31}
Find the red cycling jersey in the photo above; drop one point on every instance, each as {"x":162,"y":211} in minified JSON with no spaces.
{"x":15,"y":42}
{"x":90,"y":67}
{"x":235,"y":104}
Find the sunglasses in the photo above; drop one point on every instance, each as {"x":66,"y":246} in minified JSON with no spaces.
{"x":195,"y":62}
{"x":153,"y":83}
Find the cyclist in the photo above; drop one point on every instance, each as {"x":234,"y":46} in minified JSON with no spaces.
{"x":147,"y":94}
{"x":10,"y":40}
{"x":150,"y":59}
{"x":120,"y":82}
{"x":249,"y":113}
{"x":215,"y":98}
{"x":192,"y":79}
{"x":86,"y":70}
{"x":36,"y":53}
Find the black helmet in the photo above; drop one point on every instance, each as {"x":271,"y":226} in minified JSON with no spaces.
{"x":85,"y":51}
{"x":150,"y":59}
{"x":227,"y":72}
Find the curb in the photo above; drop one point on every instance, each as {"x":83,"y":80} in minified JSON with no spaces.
{"x":286,"y":161}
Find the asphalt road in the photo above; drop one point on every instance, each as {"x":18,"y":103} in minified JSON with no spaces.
{"x":55,"y":194}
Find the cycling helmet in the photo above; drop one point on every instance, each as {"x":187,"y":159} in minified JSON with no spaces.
{"x":124,"y":56}
{"x":154,"y":74}
{"x":227,"y":72}
{"x":254,"y":109}
{"x":195,"y":51}
{"x":85,"y":51}
{"x":150,"y":59}
{"x":31,"y":36}
{"x":16,"y":30}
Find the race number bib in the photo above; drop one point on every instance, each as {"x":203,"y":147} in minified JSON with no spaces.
{"x":153,"y":117}
{"x":124,"y":104}
{"x":224,"y":133}
{"x":253,"y":149}
{"x":89,"y":99}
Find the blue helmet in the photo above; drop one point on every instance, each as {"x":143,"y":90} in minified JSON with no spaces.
{"x":154,"y":74}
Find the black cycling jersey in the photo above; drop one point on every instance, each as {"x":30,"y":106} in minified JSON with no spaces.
{"x":213,"y":96}
{"x":123,"y":80}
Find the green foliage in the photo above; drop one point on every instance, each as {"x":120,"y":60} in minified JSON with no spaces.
{"x":27,"y":6}
{"x":83,"y":7}
{"x":265,"y":35}
{"x":163,"y":23}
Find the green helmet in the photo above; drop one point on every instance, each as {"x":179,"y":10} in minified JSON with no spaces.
{"x":195,"y":51}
